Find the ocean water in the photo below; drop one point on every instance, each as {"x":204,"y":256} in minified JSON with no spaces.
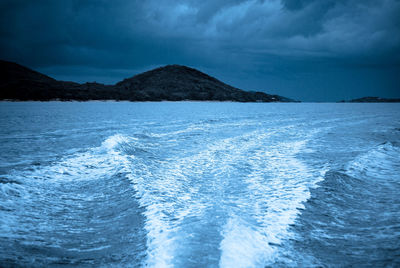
{"x":199,"y":184}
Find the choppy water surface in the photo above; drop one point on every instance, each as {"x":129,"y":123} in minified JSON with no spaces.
{"x":199,"y":184}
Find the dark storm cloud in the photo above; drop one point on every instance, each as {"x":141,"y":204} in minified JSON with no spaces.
{"x":278,"y":44}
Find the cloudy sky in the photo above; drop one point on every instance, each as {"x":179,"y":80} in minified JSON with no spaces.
{"x":311,"y":50}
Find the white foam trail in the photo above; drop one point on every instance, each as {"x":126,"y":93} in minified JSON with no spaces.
{"x":109,"y":158}
{"x":175,"y":189}
{"x":112,"y":142}
{"x":88,"y":165}
{"x":277,"y":187}
{"x":241,"y":246}
{"x":259,"y":205}
{"x":171,"y":191}
{"x":381,"y":162}
{"x":39,"y":183}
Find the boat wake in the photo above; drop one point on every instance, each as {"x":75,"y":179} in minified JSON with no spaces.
{"x":355,"y":210}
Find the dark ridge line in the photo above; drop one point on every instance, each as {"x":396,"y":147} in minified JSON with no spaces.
{"x":168,"y":83}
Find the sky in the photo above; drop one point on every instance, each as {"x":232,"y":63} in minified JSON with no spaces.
{"x":309,"y":50}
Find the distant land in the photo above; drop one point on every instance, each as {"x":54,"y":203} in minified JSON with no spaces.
{"x":373,"y":99}
{"x":170,"y":83}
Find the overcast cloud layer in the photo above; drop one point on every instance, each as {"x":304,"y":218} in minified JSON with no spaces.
{"x":310,"y":50}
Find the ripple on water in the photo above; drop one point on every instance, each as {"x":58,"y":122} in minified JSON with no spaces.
{"x":78,"y":211}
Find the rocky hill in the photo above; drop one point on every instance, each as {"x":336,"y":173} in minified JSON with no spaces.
{"x":172,"y":82}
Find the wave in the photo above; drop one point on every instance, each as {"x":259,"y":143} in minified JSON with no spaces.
{"x":381,"y":162}
{"x":355,"y":212}
{"x":79,"y":210}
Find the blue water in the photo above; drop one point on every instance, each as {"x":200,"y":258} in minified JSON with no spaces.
{"x":191,"y":184}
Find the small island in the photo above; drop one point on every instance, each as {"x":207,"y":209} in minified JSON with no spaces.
{"x":371,"y":100}
{"x":168,"y":83}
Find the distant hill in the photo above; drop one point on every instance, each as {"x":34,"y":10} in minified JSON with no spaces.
{"x":172,"y":82}
{"x":374,"y":99}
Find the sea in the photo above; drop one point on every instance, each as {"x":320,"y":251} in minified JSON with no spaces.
{"x":199,"y":184}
